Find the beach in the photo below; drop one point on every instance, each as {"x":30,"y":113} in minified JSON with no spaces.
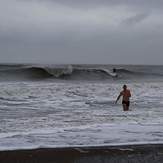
{"x":81,"y":81}
{"x":102,"y":154}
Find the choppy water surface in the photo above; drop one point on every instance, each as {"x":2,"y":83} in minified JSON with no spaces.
{"x":70,"y":113}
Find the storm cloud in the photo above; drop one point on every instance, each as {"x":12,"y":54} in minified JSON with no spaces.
{"x":87,"y":31}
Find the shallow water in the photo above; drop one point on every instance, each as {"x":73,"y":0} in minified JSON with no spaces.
{"x":52,"y":114}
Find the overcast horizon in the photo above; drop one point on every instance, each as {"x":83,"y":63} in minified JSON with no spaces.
{"x":81,"y":31}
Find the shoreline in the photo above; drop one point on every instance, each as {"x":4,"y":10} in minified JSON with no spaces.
{"x":151,"y":153}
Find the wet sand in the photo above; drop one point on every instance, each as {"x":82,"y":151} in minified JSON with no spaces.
{"x":103,"y":154}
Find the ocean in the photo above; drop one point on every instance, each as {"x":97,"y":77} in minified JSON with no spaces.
{"x":45,"y":106}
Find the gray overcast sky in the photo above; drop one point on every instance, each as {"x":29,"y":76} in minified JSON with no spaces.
{"x":81,"y":31}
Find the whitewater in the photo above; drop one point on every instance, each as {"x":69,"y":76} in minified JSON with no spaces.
{"x":74,"y":105}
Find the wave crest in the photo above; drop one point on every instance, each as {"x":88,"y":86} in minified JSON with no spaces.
{"x":71,"y":72}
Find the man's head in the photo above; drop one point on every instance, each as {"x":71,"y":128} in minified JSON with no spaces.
{"x":124,"y":87}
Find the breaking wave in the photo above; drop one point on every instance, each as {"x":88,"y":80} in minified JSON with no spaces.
{"x":69,"y":72}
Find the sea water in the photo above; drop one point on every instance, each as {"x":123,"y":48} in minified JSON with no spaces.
{"x":77,"y":106}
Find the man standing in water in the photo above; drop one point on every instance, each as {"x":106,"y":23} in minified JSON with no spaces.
{"x":125,"y":98}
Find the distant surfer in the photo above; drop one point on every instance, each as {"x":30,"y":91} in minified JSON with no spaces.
{"x":126,"y":94}
{"x":114,"y":70}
